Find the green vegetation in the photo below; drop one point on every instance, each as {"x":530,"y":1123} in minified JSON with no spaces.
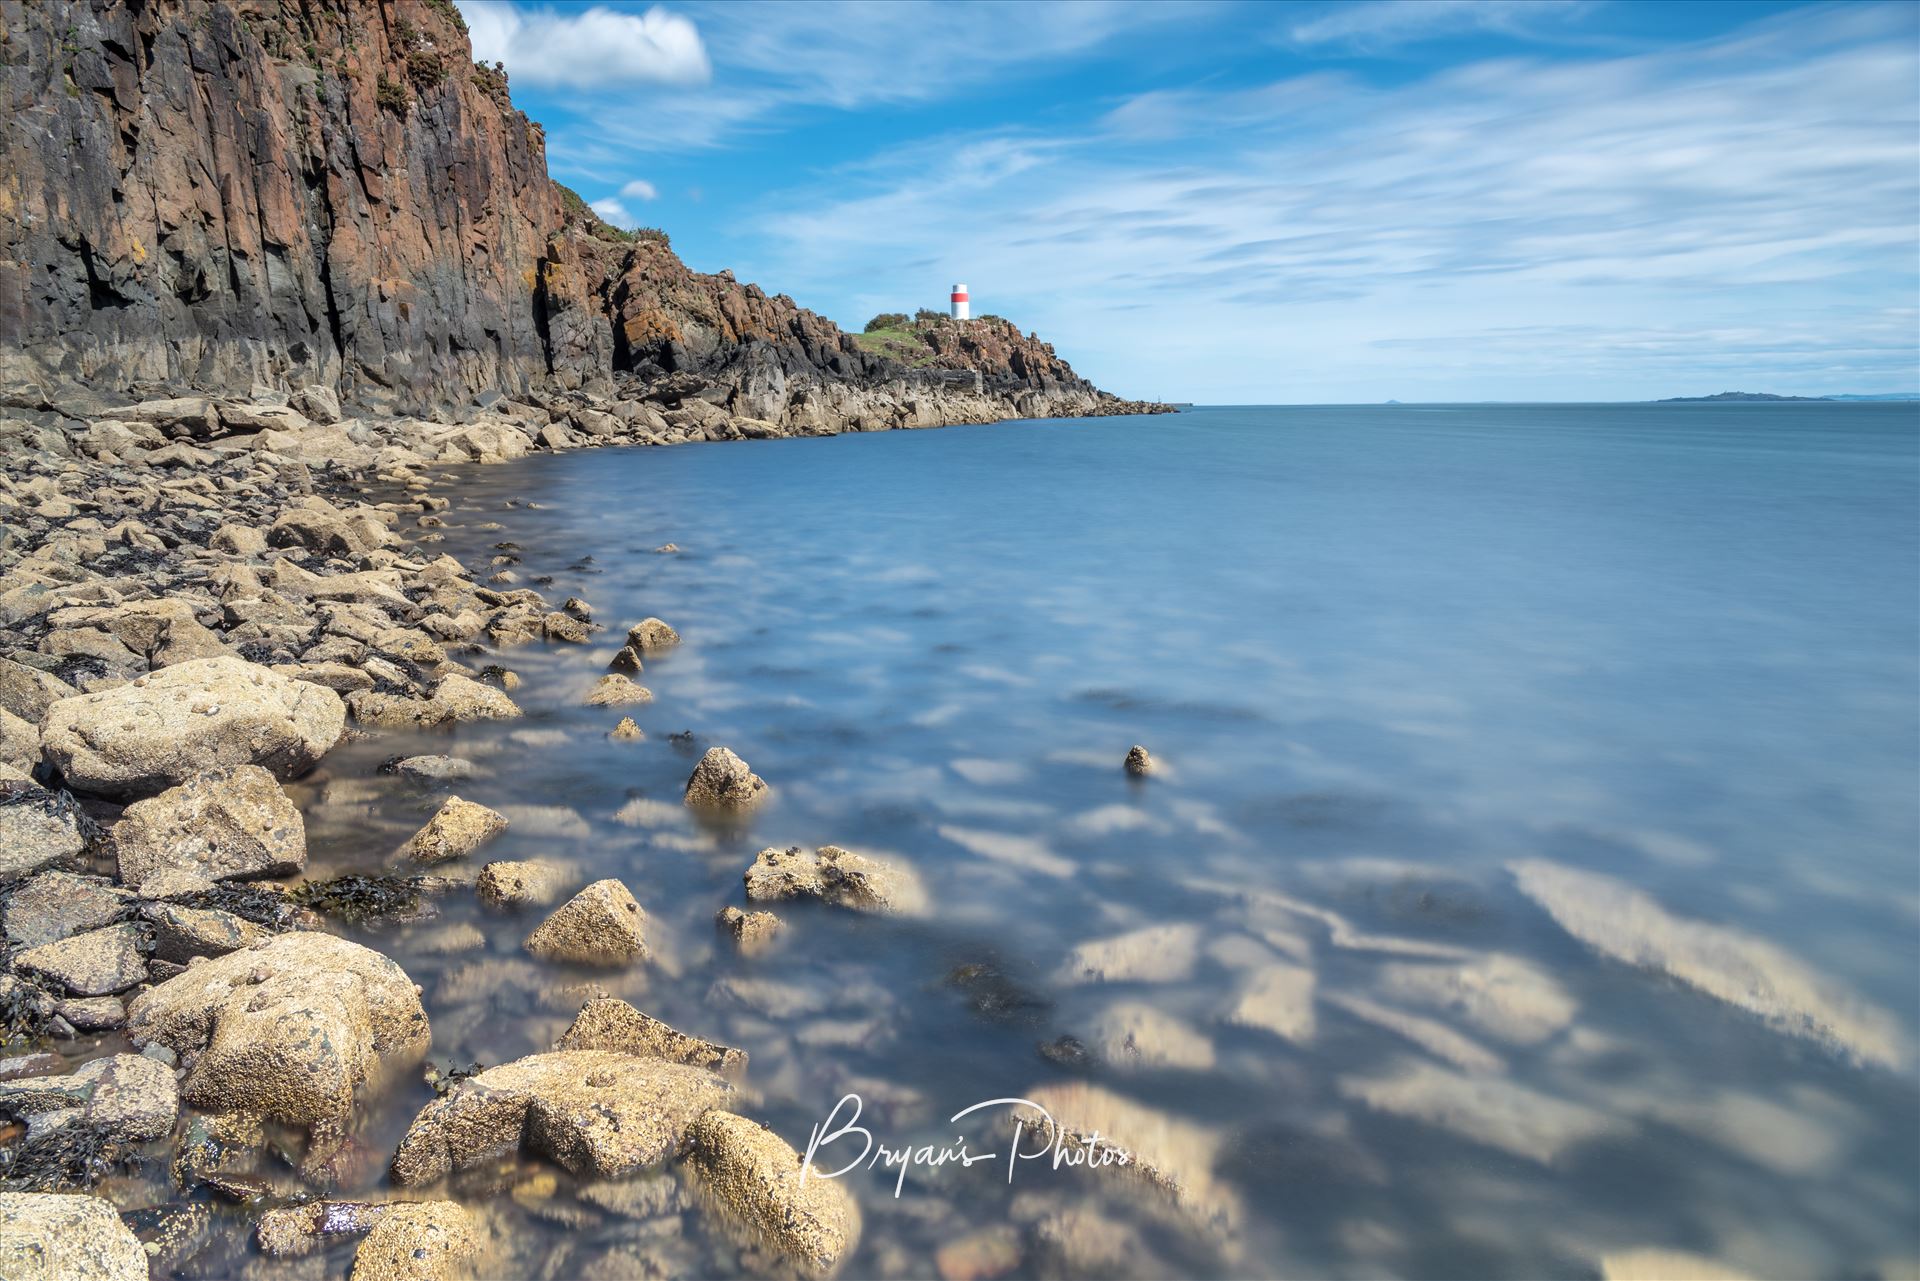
{"x":426,"y":70}
{"x":902,"y":344}
{"x":928,"y":316}
{"x":448,"y":10}
{"x":392,"y":95}
{"x":888,"y":320}
{"x":577,"y":211}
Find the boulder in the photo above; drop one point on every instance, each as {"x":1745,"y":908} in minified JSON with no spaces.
{"x":286,"y":1028}
{"x":321,"y":404}
{"x":519,"y":884}
{"x":233,"y":823}
{"x":238,"y":540}
{"x":833,"y":875}
{"x":95,"y":963}
{"x":38,"y":829}
{"x":756,"y":1175}
{"x":607,"y":1023}
{"x":129,"y":1098}
{"x":419,"y":1241}
{"x":167,"y":726}
{"x":601,"y":925}
{"x":19,"y":742}
{"x":615,"y":690}
{"x":722,"y":781}
{"x":182,"y":933}
{"x":650,"y":635}
{"x":628,"y":662}
{"x":457,"y":830}
{"x":597,"y":1112}
{"x":57,"y":905}
{"x":562,"y":626}
{"x":1138,"y":763}
{"x":28,"y":692}
{"x":455,"y":699}
{"x":53,"y":1236}
{"x":751,"y":932}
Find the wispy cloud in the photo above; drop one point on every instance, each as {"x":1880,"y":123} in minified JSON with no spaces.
{"x":587,"y":48}
{"x":1318,"y":234}
{"x":1389,"y":24}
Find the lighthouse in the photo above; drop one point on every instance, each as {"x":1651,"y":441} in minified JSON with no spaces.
{"x":959,"y":302}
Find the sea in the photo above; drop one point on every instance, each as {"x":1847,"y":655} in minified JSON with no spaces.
{"x":1528,"y":884}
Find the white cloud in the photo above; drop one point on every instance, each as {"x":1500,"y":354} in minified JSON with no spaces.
{"x":640,"y":189}
{"x":613,"y":211}
{"x":1386,"y":24}
{"x":1603,"y":227}
{"x":586,"y":49}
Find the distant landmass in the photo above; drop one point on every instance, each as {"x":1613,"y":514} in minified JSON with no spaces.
{"x":1767,"y":395}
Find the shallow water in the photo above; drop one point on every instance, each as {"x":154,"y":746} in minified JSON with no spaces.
{"x":1409,"y":671}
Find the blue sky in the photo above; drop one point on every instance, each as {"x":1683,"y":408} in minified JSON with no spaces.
{"x":1224,"y":202}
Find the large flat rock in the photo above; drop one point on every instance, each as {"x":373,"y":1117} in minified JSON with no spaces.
{"x":163,"y":728}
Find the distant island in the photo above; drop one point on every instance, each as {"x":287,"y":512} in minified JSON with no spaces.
{"x":1767,"y":395}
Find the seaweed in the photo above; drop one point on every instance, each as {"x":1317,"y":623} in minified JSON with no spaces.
{"x":357,"y":898}
{"x":72,"y":1156}
{"x":27,"y":1012}
{"x":274,"y":909}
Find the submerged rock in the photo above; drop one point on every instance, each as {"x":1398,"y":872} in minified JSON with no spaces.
{"x":1751,"y":973}
{"x":756,"y":1175}
{"x":433,"y":769}
{"x":607,"y":1023}
{"x":1118,"y":1137}
{"x":234,"y":823}
{"x":458,"y":829}
{"x":51,"y":1236}
{"x":165,"y":727}
{"x":522,"y":883}
{"x":38,"y":829}
{"x":601,"y":925}
{"x":833,"y":875}
{"x":1155,"y":954}
{"x":287,"y":1028}
{"x":1139,"y":762}
{"x":596,"y":1112}
{"x":722,"y":781}
{"x":751,"y":932}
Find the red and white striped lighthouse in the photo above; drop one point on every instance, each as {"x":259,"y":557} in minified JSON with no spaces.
{"x":959,"y":302}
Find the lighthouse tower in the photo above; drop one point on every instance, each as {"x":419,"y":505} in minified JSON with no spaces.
{"x":959,"y":302}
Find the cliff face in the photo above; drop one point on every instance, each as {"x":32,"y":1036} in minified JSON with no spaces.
{"x":222,"y":194}
{"x":233,"y":195}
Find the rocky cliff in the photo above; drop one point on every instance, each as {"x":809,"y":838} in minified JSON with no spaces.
{"x":242,"y":195}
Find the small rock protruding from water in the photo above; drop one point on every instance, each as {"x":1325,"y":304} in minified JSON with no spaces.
{"x":578,"y":608}
{"x":650,"y":635}
{"x":756,"y":1175}
{"x":601,"y":925}
{"x":627,"y":661}
{"x":751,"y":932}
{"x":615,"y":690}
{"x":500,"y":678}
{"x":1139,"y":762}
{"x":627,"y":731}
{"x":722,"y":781}
{"x":666,"y":549}
{"x":460,"y":828}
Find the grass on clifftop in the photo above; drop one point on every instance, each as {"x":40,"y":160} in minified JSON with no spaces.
{"x":901,"y":344}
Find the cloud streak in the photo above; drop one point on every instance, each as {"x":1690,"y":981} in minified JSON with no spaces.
{"x":1758,"y":192}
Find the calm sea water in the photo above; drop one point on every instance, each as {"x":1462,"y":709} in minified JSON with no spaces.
{"x":1410,"y":670}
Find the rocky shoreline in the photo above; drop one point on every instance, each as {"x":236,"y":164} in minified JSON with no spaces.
{"x":201,"y":598}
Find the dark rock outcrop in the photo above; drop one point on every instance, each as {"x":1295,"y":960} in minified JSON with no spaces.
{"x":333,"y":201}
